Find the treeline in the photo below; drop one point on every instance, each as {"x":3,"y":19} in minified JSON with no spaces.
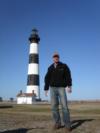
{"x":10,"y":99}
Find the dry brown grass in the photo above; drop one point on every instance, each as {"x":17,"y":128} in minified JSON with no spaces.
{"x":14,"y":118}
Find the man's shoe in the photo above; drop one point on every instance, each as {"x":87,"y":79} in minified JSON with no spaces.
{"x":67,"y":130}
{"x":56,"y":126}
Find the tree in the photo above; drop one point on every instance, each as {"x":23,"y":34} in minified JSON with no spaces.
{"x":1,"y":99}
{"x":11,"y":99}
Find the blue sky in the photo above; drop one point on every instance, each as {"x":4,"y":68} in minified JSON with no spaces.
{"x":71,"y":27}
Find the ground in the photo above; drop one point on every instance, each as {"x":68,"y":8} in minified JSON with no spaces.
{"x":85,"y":118}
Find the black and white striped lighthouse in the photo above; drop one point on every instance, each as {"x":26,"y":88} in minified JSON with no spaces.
{"x":33,"y":66}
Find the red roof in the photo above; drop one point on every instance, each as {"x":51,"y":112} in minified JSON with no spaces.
{"x":25,"y":95}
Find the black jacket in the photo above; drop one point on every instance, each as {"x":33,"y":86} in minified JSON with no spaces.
{"x":58,"y":77}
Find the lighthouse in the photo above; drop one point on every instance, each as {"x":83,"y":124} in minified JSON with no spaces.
{"x":33,"y":66}
{"x":32,"y":89}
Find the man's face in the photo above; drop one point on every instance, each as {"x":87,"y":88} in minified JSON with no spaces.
{"x":55,"y":59}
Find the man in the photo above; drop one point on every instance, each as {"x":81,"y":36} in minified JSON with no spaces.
{"x":58,"y":79}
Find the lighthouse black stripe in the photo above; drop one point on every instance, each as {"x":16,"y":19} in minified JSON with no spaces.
{"x":34,"y":58}
{"x":33,"y":80}
{"x":34,"y":38}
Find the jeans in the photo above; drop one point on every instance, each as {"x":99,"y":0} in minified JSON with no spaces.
{"x":59,"y":93}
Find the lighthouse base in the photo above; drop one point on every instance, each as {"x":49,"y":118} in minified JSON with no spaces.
{"x":33,"y":89}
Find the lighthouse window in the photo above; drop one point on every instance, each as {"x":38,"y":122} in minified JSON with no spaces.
{"x":30,"y":79}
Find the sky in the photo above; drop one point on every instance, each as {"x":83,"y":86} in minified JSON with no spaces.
{"x":70,"y":27}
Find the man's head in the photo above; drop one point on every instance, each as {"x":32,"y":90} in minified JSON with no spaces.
{"x":56,"y":57}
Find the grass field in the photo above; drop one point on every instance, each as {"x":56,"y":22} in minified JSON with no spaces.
{"x":85,"y":118}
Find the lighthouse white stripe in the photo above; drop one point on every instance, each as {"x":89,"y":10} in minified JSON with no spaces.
{"x":34,"y":48}
{"x":33,"y":68}
{"x":30,"y":89}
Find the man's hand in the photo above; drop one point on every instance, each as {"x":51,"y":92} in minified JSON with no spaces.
{"x":69,"y":89}
{"x":46,"y":93}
